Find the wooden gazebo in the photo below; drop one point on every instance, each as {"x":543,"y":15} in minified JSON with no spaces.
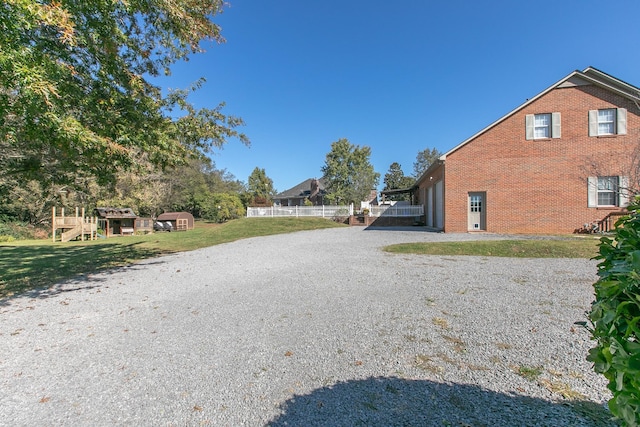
{"x":116,"y":221}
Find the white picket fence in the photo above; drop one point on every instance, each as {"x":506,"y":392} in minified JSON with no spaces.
{"x":333,"y":211}
{"x":298,"y":211}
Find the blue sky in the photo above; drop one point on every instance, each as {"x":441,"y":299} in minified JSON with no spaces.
{"x":398,"y":77}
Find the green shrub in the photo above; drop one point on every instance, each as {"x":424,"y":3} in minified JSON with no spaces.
{"x":615,"y":316}
{"x":17,"y":230}
{"x":222,"y":207}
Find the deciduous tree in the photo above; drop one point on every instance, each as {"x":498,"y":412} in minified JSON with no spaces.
{"x":348,"y":174}
{"x":76,"y":95}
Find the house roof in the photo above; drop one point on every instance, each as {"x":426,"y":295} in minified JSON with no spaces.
{"x":590,"y":75}
{"x":115,"y":213}
{"x":301,"y":190}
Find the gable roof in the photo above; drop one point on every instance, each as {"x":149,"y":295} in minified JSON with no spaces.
{"x":301,"y":190}
{"x":590,"y":75}
{"x":114,"y":213}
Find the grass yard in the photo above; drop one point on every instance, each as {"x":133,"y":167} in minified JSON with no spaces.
{"x":26,"y":265}
{"x":530,"y":248}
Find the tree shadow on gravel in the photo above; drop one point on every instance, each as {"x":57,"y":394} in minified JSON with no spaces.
{"x":39,"y":271}
{"x":399,"y":402}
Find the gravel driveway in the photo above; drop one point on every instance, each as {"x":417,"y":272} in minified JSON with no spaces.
{"x":310,"y":328}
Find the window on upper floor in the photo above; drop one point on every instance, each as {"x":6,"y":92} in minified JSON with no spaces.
{"x":608,"y":191}
{"x":608,"y":121}
{"x":542,"y":126}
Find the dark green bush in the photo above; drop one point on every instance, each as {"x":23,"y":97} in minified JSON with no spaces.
{"x":17,"y":230}
{"x":615,"y":316}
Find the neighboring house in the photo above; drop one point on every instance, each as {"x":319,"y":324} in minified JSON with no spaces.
{"x":311,"y":189}
{"x":560,"y":160}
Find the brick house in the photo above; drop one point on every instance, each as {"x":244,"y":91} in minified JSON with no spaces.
{"x":311,"y":189}
{"x":561,"y":160}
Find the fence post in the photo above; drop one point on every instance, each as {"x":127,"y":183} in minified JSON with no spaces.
{"x":53,"y":222}
{"x":296,"y":211}
{"x":322,"y":211}
{"x":271,"y":211}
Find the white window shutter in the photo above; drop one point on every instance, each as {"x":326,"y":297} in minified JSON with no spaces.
{"x":529,"y":125}
{"x":593,"y":122}
{"x":592,"y":189}
{"x":623,"y":191}
{"x":621,"y":125}
{"x":556,"y":125}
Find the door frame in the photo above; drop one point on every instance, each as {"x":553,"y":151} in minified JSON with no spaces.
{"x":481,"y":224}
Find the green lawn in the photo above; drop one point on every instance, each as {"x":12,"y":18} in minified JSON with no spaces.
{"x":26,"y":265}
{"x":530,"y":248}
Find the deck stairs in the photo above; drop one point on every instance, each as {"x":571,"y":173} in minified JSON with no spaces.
{"x":71,"y":234}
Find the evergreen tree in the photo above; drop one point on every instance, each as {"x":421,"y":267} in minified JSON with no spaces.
{"x":260,"y":187}
{"x":424,"y":159}
{"x":395,"y":179}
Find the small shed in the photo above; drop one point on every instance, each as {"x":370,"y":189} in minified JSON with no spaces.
{"x":116,"y":221}
{"x":180,"y":221}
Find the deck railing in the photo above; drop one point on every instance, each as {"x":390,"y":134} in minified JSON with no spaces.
{"x":397,"y":211}
{"x":607,"y":224}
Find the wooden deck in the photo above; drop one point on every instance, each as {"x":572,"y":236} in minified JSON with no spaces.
{"x":72,"y":227}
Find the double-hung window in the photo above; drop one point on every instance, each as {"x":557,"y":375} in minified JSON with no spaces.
{"x":608,"y":121}
{"x":542,"y":126}
{"x":608,"y":191}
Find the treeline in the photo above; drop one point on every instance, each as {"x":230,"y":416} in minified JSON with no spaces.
{"x":197,"y":187}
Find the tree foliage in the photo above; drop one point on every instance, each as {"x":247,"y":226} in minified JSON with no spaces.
{"x":615,"y":317}
{"x":424,"y":159}
{"x":348,"y":174}
{"x":260,"y":187}
{"x":187,"y":187}
{"x":395,"y":179}
{"x":223,"y":207}
{"x":76,"y":97}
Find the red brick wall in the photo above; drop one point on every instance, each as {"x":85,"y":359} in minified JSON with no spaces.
{"x":539,"y":186}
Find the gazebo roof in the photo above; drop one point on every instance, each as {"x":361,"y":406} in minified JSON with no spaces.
{"x":115,"y":213}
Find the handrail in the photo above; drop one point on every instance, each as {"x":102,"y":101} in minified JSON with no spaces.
{"x":607,"y":223}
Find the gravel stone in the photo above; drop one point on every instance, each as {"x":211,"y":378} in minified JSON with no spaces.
{"x":310,"y":328}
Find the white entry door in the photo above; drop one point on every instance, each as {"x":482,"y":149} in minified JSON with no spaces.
{"x":476,"y":212}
